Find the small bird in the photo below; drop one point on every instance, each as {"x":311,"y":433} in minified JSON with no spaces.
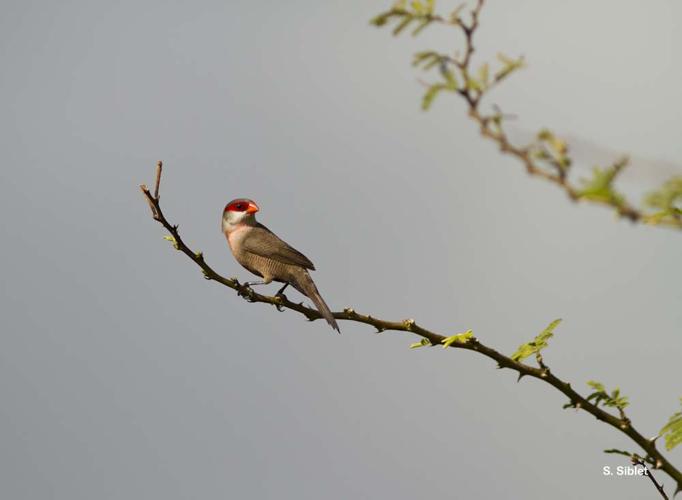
{"x":260,"y":251}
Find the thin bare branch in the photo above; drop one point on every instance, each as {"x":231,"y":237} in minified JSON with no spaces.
{"x":638,"y":461}
{"x":157,"y":184}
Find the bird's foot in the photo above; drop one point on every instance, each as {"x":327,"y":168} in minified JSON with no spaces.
{"x":281,"y":298}
{"x":246,"y":292}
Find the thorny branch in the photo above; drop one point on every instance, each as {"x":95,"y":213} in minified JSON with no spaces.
{"x":537,"y":160}
{"x":638,"y":461}
{"x":543,"y":373}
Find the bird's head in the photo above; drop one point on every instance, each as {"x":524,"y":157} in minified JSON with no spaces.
{"x":239,"y":211}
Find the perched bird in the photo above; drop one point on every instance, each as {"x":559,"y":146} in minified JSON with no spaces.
{"x":260,"y":251}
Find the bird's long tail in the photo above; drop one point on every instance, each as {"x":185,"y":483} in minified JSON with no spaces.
{"x":306,"y":286}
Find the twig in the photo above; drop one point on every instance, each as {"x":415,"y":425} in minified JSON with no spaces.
{"x":409,"y":325}
{"x":638,"y":461}
{"x":159,"y":168}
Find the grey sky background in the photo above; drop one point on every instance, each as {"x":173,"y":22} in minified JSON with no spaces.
{"x":124,"y":375}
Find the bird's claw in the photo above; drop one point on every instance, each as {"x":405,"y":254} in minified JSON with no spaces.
{"x":247,"y":292}
{"x":281,"y":298}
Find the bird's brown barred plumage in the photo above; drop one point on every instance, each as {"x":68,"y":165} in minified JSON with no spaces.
{"x":260,"y":251}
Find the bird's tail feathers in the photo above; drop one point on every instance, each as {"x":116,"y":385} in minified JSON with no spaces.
{"x":306,"y":286}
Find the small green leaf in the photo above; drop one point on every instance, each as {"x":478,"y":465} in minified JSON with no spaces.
{"x":426,"y":57}
{"x":541,"y":154}
{"x":417,"y":7}
{"x":460,"y":338}
{"x":431,"y":94}
{"x":537,"y":344}
{"x":559,"y":146}
{"x":668,"y":202}
{"x":449,"y":77}
{"x":616,"y":400}
{"x":545,"y":135}
{"x":668,"y":196}
{"x":552,"y":149}
{"x":421,"y":343}
{"x":172,"y":240}
{"x":379,"y":20}
{"x":402,"y":25}
{"x":615,"y":451}
{"x":506,"y":60}
{"x":473,"y":84}
{"x":672,"y":431}
{"x":564,"y":162}
{"x":663,"y":215}
{"x":597,"y":386}
{"x":423,"y":24}
{"x":509,"y":65}
{"x":383,"y":18}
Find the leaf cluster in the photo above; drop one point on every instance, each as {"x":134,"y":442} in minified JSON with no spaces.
{"x":429,"y":59}
{"x":600,"y":396}
{"x":600,"y":187}
{"x":422,"y":14}
{"x":667,"y":201}
{"x":460,"y":338}
{"x":552,"y":150}
{"x":419,"y":13}
{"x":537,"y":344}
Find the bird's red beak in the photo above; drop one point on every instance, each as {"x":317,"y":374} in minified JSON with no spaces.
{"x":252,"y":208}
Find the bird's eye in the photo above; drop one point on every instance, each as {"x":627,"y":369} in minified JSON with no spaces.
{"x":241,"y":206}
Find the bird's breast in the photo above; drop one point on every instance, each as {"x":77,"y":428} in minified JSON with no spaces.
{"x":235,"y":237}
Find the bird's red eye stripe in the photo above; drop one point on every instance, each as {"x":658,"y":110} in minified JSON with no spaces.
{"x":237,"y":206}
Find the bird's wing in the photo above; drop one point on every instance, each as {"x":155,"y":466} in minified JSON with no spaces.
{"x":261,"y":241}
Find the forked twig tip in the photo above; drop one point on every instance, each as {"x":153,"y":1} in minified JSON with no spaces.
{"x":159,"y":168}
